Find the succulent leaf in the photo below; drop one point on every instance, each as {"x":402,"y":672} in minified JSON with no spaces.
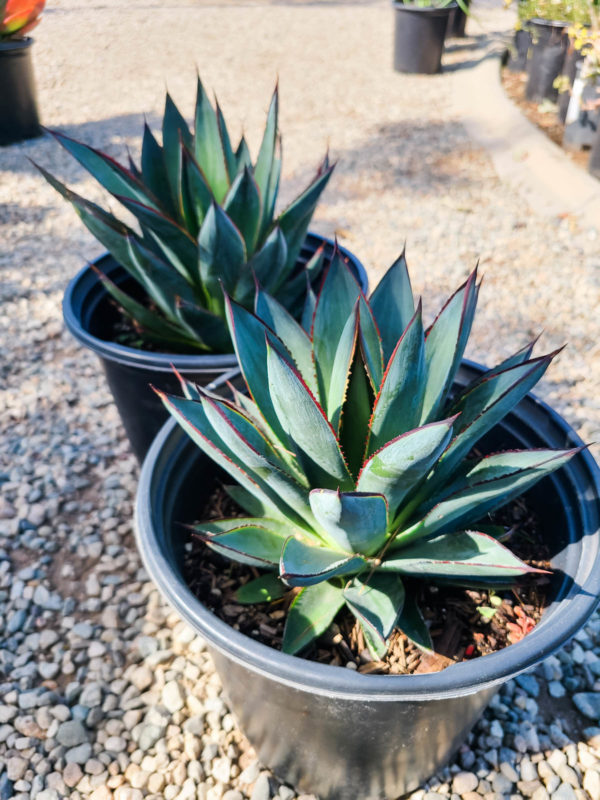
{"x":116,"y":179}
{"x":208,"y":145}
{"x":176,"y":135}
{"x":229,"y":155}
{"x":268,"y":265}
{"x":266,"y":154}
{"x":400,"y":464}
{"x":221,"y":253}
{"x":340,"y":373}
{"x":155,"y":327}
{"x":445,"y":344}
{"x":412,"y":624}
{"x":335,"y":304}
{"x":308,"y":430}
{"x":393,"y":305}
{"x":244,"y":207}
{"x":310,"y":614}
{"x":261,"y":590}
{"x":355,"y":522}
{"x":251,"y":504}
{"x":460,"y":555}
{"x":246,"y":542}
{"x":198,"y":189}
{"x":289,"y":331}
{"x":308,"y":311}
{"x":376,"y":604}
{"x":207,"y":331}
{"x":303,"y":564}
{"x":192,"y":418}
{"x":255,"y":453}
{"x":154,"y":171}
{"x":172,"y":241}
{"x":248,"y":334}
{"x":483,"y":407}
{"x":490,"y":486}
{"x":370,"y":342}
{"x":399,"y":403}
{"x":356,"y":414}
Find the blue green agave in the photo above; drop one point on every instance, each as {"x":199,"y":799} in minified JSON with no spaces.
{"x":205,"y":217}
{"x":353,"y":454}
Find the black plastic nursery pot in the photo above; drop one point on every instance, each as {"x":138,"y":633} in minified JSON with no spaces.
{"x":549,"y":44}
{"x":419,"y":38}
{"x":457,"y":22}
{"x":90,"y":315}
{"x":18,"y":107}
{"x":519,"y":51}
{"x":332,"y":731}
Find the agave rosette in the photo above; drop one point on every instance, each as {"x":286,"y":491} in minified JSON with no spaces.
{"x":18,"y":17}
{"x":350,"y":454}
{"x":206,"y":221}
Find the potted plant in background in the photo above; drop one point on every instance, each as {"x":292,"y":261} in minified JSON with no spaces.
{"x":205,"y":217}
{"x":368,"y":458}
{"x":547,"y":23}
{"x":583,"y":111}
{"x":419,"y":32}
{"x":18,"y":108}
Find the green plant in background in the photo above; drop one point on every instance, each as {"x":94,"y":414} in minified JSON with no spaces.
{"x":462,"y":4}
{"x":351,"y":454}
{"x":206,"y":220}
{"x":572,"y":11}
{"x":19,"y":17}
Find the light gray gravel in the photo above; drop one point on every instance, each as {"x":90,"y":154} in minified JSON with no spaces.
{"x":104,"y":693}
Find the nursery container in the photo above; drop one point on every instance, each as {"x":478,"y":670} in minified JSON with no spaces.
{"x":331,"y":731}
{"x":18,"y":107}
{"x":419,"y":38}
{"x":548,"y":51}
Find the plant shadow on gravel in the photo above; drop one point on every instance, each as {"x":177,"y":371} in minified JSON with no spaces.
{"x":110,"y":135}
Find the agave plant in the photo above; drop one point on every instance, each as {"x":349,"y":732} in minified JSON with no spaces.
{"x":352,"y":454}
{"x":206,"y":217}
{"x":18,"y":17}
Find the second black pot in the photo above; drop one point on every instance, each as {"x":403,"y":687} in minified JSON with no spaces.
{"x":518,"y":52}
{"x":90,"y":315}
{"x":332,"y":731}
{"x":18,"y":107}
{"x":419,"y":38}
{"x":457,"y":22}
{"x":549,"y":46}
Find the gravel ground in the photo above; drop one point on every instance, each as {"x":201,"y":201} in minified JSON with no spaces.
{"x":104,"y":693}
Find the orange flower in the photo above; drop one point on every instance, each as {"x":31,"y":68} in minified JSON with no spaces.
{"x":19,"y":16}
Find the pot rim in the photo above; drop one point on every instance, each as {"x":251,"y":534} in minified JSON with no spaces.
{"x":85,"y":282}
{"x":553,"y":23}
{"x":15,"y":45}
{"x":554,"y":630}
